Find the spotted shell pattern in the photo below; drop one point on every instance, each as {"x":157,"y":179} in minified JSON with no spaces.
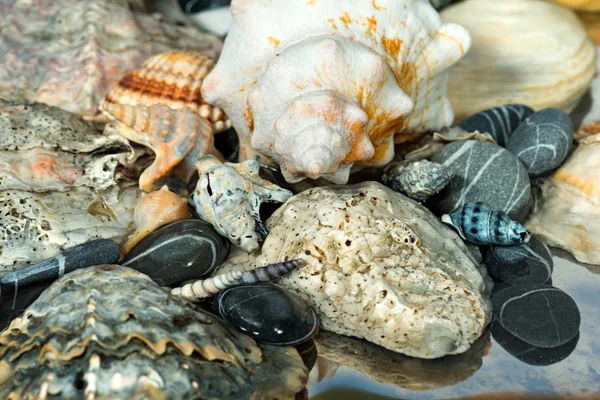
{"x":164,"y":350}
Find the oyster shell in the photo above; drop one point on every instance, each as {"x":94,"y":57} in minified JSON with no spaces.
{"x":68,"y":53}
{"x":174,"y":79}
{"x":130,"y":347}
{"x":530,"y":52}
{"x":568,"y":214}
{"x":322,"y":86}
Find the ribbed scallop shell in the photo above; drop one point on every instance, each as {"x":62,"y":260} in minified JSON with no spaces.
{"x":177,"y":137}
{"x":154,"y":210}
{"x":531,"y":52}
{"x":323,"y":85}
{"x":109,"y":332}
{"x":568,"y":215}
{"x":173,"y":78}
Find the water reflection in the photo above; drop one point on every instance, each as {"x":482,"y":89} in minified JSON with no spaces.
{"x":367,"y":372}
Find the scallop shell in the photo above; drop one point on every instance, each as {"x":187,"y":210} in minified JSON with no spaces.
{"x":154,"y":210}
{"x":177,"y":137}
{"x":537,"y":54}
{"x":568,"y":214}
{"x":322,"y":86}
{"x":173,"y":78}
{"x":126,"y":338}
{"x":582,"y":5}
{"x":68,"y":53}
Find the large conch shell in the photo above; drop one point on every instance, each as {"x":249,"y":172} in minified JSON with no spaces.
{"x":324,"y":85}
{"x":177,"y":137}
{"x":173,"y":78}
{"x":568,"y":216}
{"x":531,"y":52}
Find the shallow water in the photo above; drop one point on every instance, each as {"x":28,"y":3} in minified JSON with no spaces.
{"x":484,"y":370}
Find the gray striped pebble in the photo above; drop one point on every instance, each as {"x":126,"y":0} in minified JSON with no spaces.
{"x":483,"y":172}
{"x":500,"y":122}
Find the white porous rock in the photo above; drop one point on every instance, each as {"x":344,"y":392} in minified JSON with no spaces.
{"x":378,"y":266}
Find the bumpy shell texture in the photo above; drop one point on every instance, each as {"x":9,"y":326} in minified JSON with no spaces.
{"x":173,"y":78}
{"x":323,"y":85}
{"x":568,"y":214}
{"x":68,"y":53}
{"x":84,"y":339}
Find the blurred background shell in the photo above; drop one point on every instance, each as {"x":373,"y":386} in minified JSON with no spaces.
{"x":531,"y":52}
{"x":82,"y":337}
{"x":581,"y":5}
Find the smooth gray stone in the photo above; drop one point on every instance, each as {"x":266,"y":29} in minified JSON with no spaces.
{"x":483,"y":172}
{"x":527,"y":263}
{"x":543,"y":141}
{"x":178,"y":252}
{"x":500,"y":122}
{"x":540,"y":315}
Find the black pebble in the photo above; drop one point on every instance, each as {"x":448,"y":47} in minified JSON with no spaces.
{"x":308,"y":353}
{"x":527,"y":263}
{"x":228,"y":144}
{"x":95,"y":252}
{"x":529,"y":354}
{"x":268,"y":314}
{"x":178,"y":252}
{"x":500,"y":122}
{"x":540,"y":315}
{"x":11,"y":307}
{"x":196,"y":6}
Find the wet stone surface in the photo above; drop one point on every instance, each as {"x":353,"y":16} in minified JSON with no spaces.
{"x":268,"y":314}
{"x":178,"y":252}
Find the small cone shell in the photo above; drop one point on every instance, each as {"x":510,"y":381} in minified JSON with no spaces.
{"x":173,"y":78}
{"x":153,"y":211}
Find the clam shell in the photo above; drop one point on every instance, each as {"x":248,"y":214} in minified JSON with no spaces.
{"x":154,"y":210}
{"x":173,"y":78}
{"x":532,"y":52}
{"x":110,"y":332}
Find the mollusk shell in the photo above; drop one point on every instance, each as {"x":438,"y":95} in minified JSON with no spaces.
{"x":177,"y":137}
{"x":531,"y":52}
{"x":165,"y":350}
{"x":154,"y":210}
{"x":582,"y":5}
{"x":476,"y":223}
{"x":173,"y":78}
{"x":321,"y":86}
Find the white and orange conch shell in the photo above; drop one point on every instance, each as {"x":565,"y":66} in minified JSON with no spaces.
{"x":321,"y":86}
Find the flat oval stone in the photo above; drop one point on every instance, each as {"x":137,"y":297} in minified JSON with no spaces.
{"x":500,"y":122}
{"x":530,"y":354}
{"x":483,"y":172}
{"x":178,"y":252}
{"x":95,"y":252}
{"x":540,"y":315}
{"x":268,"y":314}
{"x":196,"y":6}
{"x":543,"y":141}
{"x":527,"y":263}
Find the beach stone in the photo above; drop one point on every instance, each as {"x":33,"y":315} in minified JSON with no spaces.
{"x":540,"y":315}
{"x":378,"y":266}
{"x":268,"y":314}
{"x":543,"y":141}
{"x":483,"y":172}
{"x":530,"y":354}
{"x":178,"y":252}
{"x":95,"y":252}
{"x":527,"y":263}
{"x":500,"y":122}
{"x":11,"y":307}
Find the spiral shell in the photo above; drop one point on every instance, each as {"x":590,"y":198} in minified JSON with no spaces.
{"x":202,"y":289}
{"x":322,"y":86}
{"x":476,"y":223}
{"x":177,"y":137}
{"x":154,"y":210}
{"x":173,"y":78}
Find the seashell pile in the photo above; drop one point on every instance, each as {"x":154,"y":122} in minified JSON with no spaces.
{"x":322,"y":86}
{"x":538,"y":54}
{"x":68,"y":53}
{"x":164,"y":350}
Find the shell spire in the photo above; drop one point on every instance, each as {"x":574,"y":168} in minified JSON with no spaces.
{"x":329,"y":85}
{"x":202,"y":289}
